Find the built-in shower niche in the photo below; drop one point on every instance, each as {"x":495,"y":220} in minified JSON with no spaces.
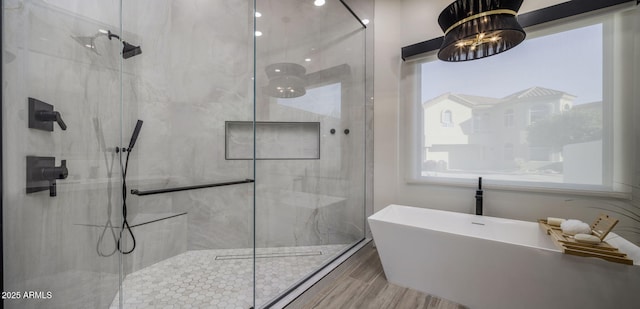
{"x":273,"y":140}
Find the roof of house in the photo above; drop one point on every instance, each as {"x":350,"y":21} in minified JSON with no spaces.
{"x":479,"y":101}
{"x":535,"y":92}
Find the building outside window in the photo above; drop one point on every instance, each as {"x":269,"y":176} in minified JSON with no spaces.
{"x":542,"y":122}
{"x":538,"y":112}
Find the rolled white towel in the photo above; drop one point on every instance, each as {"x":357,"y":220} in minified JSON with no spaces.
{"x":587,"y":238}
{"x":572,"y":227}
{"x":555,"y":221}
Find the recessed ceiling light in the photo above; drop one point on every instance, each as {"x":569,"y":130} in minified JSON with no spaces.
{"x":258,"y":33}
{"x":319,"y":2}
{"x":258,"y":14}
{"x":365,"y":21}
{"x":307,"y":59}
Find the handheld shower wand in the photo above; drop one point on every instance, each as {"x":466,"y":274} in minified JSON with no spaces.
{"x":125,"y":223}
{"x":134,"y":136}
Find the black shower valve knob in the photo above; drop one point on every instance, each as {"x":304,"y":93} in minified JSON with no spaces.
{"x":52,"y":173}
{"x":51,"y":116}
{"x":42,"y":174}
{"x":57,"y":172}
{"x":42,"y":116}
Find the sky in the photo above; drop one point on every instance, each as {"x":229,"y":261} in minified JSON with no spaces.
{"x":569,"y":61}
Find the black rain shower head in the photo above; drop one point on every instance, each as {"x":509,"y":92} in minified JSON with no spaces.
{"x":129,"y":50}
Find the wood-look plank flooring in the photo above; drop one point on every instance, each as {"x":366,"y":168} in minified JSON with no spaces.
{"x":360,"y":283}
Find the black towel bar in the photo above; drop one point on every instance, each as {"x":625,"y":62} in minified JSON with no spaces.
{"x":211,"y":185}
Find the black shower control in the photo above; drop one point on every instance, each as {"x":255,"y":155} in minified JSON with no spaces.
{"x":333,"y":131}
{"x":346,"y":131}
{"x":42,"y":116}
{"x":42,"y":174}
{"x":51,"y":116}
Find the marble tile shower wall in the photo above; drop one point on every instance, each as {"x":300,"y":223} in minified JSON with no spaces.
{"x":196,"y":73}
{"x":51,"y":243}
{"x":194,"y":78}
{"x":300,"y":202}
{"x":314,"y":202}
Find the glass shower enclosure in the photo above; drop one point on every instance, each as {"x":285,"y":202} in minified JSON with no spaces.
{"x":158,"y":153}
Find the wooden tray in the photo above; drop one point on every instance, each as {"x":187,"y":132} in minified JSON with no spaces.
{"x":568,"y":245}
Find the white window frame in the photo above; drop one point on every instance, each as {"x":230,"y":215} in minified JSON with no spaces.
{"x":617,"y":135}
{"x":539,"y":111}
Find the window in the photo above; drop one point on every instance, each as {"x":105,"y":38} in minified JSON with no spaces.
{"x":446,"y":119}
{"x":508,"y":118}
{"x":538,"y":112}
{"x":541,"y":120}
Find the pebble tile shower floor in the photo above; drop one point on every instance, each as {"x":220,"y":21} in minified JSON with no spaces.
{"x":221,"y":278}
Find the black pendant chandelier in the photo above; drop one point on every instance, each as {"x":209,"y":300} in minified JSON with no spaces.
{"x":475,"y":29}
{"x":286,"y":80}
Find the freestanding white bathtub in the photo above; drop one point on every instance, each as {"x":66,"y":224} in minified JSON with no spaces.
{"x":486,"y":262}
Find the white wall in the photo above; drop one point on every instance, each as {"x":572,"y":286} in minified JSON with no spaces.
{"x":401,"y":23}
{"x":387,"y":43}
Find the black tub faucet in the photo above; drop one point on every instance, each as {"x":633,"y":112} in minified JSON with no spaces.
{"x":479,"y":197}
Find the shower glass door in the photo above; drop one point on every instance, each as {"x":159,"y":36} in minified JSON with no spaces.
{"x":310,"y":116}
{"x":62,"y":88}
{"x":184,"y":69}
{"x":193,"y":212}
